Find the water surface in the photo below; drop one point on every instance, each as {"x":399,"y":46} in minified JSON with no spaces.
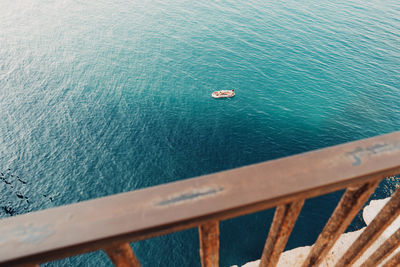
{"x":98,"y":98}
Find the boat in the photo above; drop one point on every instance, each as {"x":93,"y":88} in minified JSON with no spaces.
{"x":223,"y":94}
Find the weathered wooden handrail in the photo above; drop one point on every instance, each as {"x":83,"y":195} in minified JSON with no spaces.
{"x":110,"y":223}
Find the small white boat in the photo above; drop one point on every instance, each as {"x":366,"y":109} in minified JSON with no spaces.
{"x":223,"y":94}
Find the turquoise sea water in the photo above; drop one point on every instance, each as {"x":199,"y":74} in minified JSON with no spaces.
{"x":100,"y":97}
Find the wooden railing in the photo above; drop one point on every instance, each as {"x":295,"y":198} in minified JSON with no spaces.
{"x":110,"y":223}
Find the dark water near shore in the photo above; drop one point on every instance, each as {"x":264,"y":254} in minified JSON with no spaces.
{"x":98,"y":98}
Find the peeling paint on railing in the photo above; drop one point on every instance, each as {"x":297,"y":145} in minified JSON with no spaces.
{"x":358,"y":153}
{"x":28,"y":234}
{"x":190,"y":196}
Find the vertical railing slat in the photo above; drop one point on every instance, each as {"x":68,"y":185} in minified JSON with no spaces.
{"x":350,"y":203}
{"x":384,"y":218}
{"x":122,"y":255}
{"x":393,"y":262}
{"x":209,"y":244}
{"x":384,"y":250}
{"x":284,"y":219}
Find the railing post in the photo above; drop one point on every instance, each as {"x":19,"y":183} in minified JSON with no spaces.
{"x":394,"y":261}
{"x":384,"y":218}
{"x":284,"y":219}
{"x":384,"y":250}
{"x":122,"y":255}
{"x":209,"y":244}
{"x":350,"y":203}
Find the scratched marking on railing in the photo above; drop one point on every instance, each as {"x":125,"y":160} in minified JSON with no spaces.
{"x":190,"y":196}
{"x":29,"y":234}
{"x":358,"y":153}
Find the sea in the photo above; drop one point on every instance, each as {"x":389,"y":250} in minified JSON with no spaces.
{"x":103,"y":97}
